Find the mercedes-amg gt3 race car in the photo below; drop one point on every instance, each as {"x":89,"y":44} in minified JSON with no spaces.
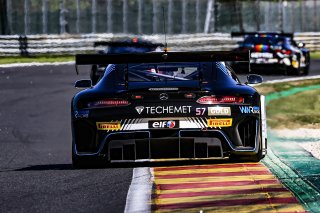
{"x":271,"y":51}
{"x":167,"y":105}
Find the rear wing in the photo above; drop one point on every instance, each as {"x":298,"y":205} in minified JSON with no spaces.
{"x":240,"y":34}
{"x":158,"y":57}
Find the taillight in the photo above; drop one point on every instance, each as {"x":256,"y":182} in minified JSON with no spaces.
{"x":286,"y":52}
{"x":220,"y":99}
{"x":108,"y":103}
{"x":137,"y":97}
{"x":189,"y":95}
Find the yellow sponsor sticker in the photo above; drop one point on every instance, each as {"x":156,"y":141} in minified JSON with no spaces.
{"x":221,"y":122}
{"x":108,"y":125}
{"x":295,"y":64}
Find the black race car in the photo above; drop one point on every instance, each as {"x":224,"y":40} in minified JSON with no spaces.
{"x":125,"y":45}
{"x":176,"y":105}
{"x":271,"y":51}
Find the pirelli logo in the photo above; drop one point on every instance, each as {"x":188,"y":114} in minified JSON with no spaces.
{"x":222,"y":122}
{"x":108,"y":126}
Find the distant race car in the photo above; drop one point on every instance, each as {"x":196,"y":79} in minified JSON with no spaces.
{"x":167,"y":105}
{"x":126,"y":45}
{"x":271,"y":50}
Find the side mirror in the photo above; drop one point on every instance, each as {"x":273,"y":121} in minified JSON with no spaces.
{"x":83,"y":84}
{"x":254,"y":79}
{"x":301,"y":44}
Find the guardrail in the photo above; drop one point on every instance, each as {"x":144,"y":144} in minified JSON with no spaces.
{"x":15,"y":45}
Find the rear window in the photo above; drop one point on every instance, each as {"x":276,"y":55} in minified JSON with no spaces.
{"x":157,"y":72}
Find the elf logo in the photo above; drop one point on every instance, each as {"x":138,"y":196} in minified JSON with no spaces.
{"x":163,"y":124}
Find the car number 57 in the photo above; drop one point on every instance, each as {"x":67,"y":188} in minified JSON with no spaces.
{"x":200,"y":111}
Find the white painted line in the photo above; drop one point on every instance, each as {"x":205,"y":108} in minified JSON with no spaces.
{"x":293,"y":79}
{"x":139,"y":194}
{"x":36,"y":64}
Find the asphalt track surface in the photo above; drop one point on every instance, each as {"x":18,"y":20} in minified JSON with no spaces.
{"x":35,"y":143}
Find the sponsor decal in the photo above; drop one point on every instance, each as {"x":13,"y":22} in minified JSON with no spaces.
{"x":139,"y":109}
{"x":200,"y":111}
{"x":286,"y":61}
{"x":81,"y":114}
{"x":220,"y":122}
{"x":167,"y":110}
{"x":108,"y":125}
{"x":170,"y":124}
{"x":295,"y":64}
{"x":250,"y":109}
{"x":261,"y":55}
{"x":226,"y":111}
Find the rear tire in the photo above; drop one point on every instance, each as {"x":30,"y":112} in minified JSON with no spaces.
{"x":296,"y":71}
{"x":257,"y":157}
{"x":306,"y":70}
{"x":307,"y":67}
{"x":248,"y":158}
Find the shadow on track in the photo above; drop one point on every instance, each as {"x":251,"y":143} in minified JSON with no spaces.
{"x":57,"y":167}
{"x":46,"y":167}
{"x":168,"y":163}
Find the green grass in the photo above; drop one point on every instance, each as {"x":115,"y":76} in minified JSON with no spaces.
{"x":43,"y":58}
{"x":315,"y":55}
{"x":271,"y":88}
{"x":295,"y":111}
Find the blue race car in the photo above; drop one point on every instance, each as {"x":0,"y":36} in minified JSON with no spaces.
{"x":167,"y":105}
{"x":271,"y":51}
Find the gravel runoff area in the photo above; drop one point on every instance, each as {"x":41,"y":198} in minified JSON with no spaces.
{"x":310,"y":138}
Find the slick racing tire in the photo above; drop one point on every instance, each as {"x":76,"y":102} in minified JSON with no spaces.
{"x":248,"y":158}
{"x":297,"y":71}
{"x":306,"y":70}
{"x":307,"y":67}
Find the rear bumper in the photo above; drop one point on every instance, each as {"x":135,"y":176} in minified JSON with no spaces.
{"x":188,"y":144}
